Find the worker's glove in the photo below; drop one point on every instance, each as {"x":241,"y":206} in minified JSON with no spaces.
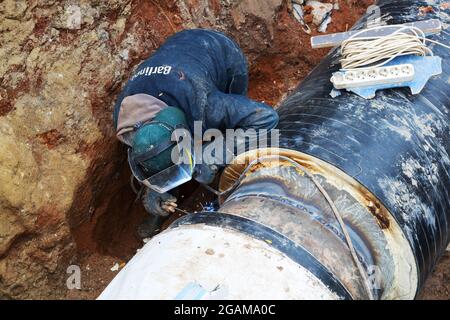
{"x":159,"y":204}
{"x":204,"y":173}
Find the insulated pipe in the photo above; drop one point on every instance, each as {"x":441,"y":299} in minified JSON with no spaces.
{"x":383,"y":162}
{"x":396,"y":145}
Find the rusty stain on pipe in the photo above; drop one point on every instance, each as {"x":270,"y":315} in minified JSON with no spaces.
{"x":389,"y":155}
{"x":285,"y":189}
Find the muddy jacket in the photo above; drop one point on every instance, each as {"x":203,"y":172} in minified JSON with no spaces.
{"x":200,"y":71}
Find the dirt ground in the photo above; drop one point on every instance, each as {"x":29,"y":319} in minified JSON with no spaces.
{"x":107,"y":241}
{"x":437,"y":287}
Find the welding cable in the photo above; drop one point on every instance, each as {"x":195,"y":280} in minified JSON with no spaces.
{"x":136,"y":191}
{"x":327,"y":197}
{"x":374,"y":51}
{"x":133,"y":185}
{"x":338,"y":216}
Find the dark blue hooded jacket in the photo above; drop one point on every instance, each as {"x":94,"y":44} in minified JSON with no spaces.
{"x":204,"y":73}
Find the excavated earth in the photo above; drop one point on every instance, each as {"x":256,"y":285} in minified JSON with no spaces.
{"x":65,"y":197}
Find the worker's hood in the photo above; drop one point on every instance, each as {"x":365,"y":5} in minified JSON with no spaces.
{"x":136,"y":109}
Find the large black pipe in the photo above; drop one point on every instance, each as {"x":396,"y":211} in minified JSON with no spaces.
{"x":384,"y":164}
{"x":395,"y":145}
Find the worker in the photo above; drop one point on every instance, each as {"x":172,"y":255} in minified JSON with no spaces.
{"x":196,"y":75}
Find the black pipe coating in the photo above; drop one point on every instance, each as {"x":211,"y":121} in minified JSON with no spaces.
{"x":396,"y":145}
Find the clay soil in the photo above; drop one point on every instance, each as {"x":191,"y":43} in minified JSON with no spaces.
{"x":111,"y":239}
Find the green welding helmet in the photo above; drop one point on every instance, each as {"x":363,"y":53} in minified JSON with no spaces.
{"x":150,"y":157}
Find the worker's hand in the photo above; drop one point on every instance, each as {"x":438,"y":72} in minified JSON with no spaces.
{"x":204,"y":173}
{"x":159,"y":204}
